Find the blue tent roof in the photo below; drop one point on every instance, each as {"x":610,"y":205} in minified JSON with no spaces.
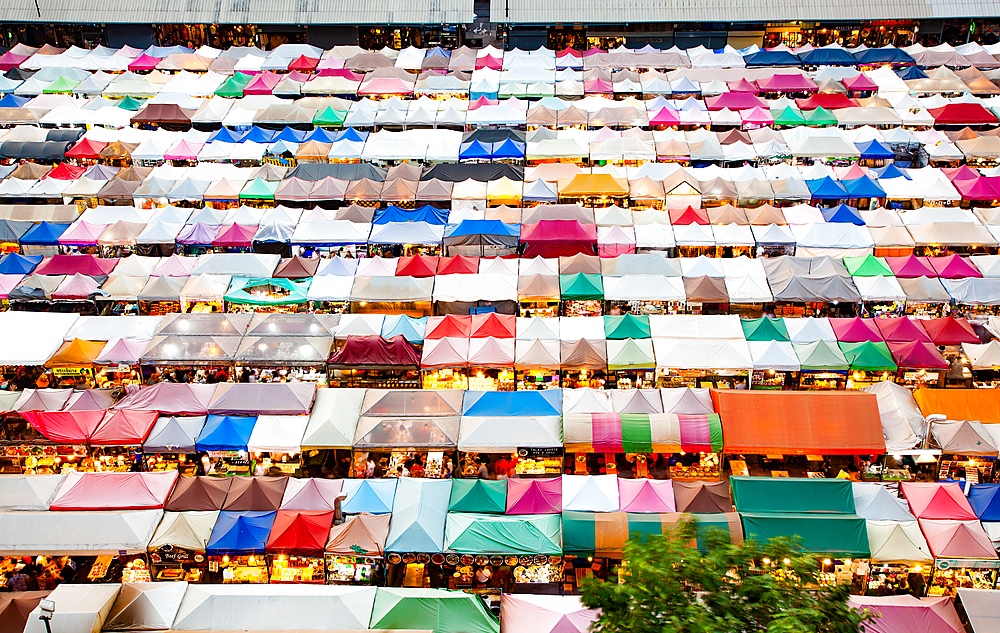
{"x":474,"y":150}
{"x":912,"y":72}
{"x":240,"y":533}
{"x":884,"y":55}
{"x":225,"y":135}
{"x":374,"y":496}
{"x":320,"y":135}
{"x":826,"y":189}
{"x":412,"y":329}
{"x":772,"y":58}
{"x":290,"y":134}
{"x":437,"y":50}
{"x":163,"y":51}
{"x":864,"y":187}
{"x":12,"y":101}
{"x":512,"y":403}
{"x":828,"y":57}
{"x":473,"y":95}
{"x":482,"y":227}
{"x":44,"y":233}
{"x":426,"y":213}
{"x":225,"y":433}
{"x":258,"y":135}
{"x":17,"y":264}
{"x":419,"y":513}
{"x":843,"y":214}
{"x":891,"y":171}
{"x":874,"y":149}
{"x":985,"y":501}
{"x":508,"y":148}
{"x":350,"y":134}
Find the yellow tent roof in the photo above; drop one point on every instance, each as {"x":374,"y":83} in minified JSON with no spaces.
{"x":76,"y":353}
{"x":585,"y":185}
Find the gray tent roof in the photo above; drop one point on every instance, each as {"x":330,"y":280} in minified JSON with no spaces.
{"x":174,"y":434}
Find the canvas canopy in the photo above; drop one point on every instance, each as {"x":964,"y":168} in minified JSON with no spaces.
{"x":184,"y":530}
{"x":779,"y":495}
{"x":77,"y":533}
{"x":490,"y":534}
{"x":434,"y":609}
{"x":837,"y":534}
{"x":419,"y":514}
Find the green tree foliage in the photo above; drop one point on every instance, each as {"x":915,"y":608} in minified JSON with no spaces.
{"x":667,"y":585}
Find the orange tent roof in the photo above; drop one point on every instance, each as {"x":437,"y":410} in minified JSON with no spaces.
{"x":584,"y":185}
{"x":960,"y":404}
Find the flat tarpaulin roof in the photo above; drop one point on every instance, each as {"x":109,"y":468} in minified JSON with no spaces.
{"x":489,"y":534}
{"x":419,"y":512}
{"x":77,"y":533}
{"x":906,"y":613}
{"x":16,"y":606}
{"x":362,"y":534}
{"x":435,"y":609}
{"x":959,"y":404}
{"x":294,"y":398}
{"x":32,"y":338}
{"x":145,"y":605}
{"x":418,"y":417}
{"x":642,"y":432}
{"x":274,"y":608}
{"x":199,"y":494}
{"x":496,"y":421}
{"x":799,"y":423}
{"x":838,"y":534}
{"x":605,"y":533}
{"x":373,"y":352}
{"x":171,"y":398}
{"x":33,"y":492}
{"x":792,"y":494}
{"x":114,"y":491}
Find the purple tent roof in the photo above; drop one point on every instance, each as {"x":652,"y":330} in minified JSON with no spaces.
{"x":198,"y":233}
{"x":534,"y":496}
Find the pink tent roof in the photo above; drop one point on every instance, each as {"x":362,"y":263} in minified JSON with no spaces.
{"x":953,"y":267}
{"x":735,"y":101}
{"x":902,"y":329}
{"x":910,"y":266}
{"x":175,"y":266}
{"x":171,"y":398}
{"x":65,"y":427}
{"x":665,"y":116}
{"x":445,"y":352}
{"x":859,"y":82}
{"x":8,"y":283}
{"x":81,"y":233}
{"x":235,"y":235}
{"x":262,"y":84}
{"x":957,"y":539}
{"x":114,"y":491}
{"x":76,"y":287}
{"x":122,"y":351}
{"x":786,"y":83}
{"x":488,"y":61}
{"x":534,"y":496}
{"x":124,"y":428}
{"x":144,"y":62}
{"x":545,"y":614}
{"x":386,"y":86}
{"x":932,"y":500}
{"x":482,"y":101}
{"x":311,"y":494}
{"x":855,"y":329}
{"x":183,"y":150}
{"x":646,"y":495}
{"x":906,"y":613}
{"x":599,"y":86}
{"x":917,"y":354}
{"x":758,"y":116}
{"x":76,"y":263}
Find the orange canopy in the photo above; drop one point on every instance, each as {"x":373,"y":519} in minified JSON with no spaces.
{"x":586,"y":185}
{"x":960,"y":404}
{"x":799,"y":422}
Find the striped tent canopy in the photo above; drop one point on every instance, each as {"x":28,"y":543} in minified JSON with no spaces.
{"x":642,"y":433}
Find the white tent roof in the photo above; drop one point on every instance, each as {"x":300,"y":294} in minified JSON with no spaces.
{"x":145,"y":606}
{"x":334,"y":418}
{"x":644,"y":287}
{"x":278,"y":434}
{"x":545,"y":328}
{"x":79,"y":609}
{"x":986,"y":356}
{"x":873,"y":501}
{"x":702,"y":354}
{"x":576,"y":328}
{"x":34,"y":492}
{"x":188,"y":530}
{"x":897,"y":541}
{"x":748,"y":290}
{"x":810,"y":329}
{"x":691,"y":326}
{"x":506,"y":434}
{"x":879,"y":288}
{"x":586,"y":401}
{"x":902,"y":422}
{"x":775,"y":355}
{"x":31,"y":338}
{"x":590,"y":493}
{"x":77,"y":533}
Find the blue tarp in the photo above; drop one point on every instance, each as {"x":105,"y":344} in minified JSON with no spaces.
{"x":419,"y":513}
{"x":44,"y":233}
{"x":258,"y":135}
{"x":475,"y":151}
{"x":771,"y":58}
{"x":320,"y":135}
{"x":828,"y":57}
{"x":374,"y":496}
{"x":508,"y":148}
{"x":512,"y":403}
{"x":826,"y":189}
{"x":350,"y":134}
{"x":290,"y":135}
{"x":426,"y":213}
{"x":843,"y":214}
{"x":225,"y":135}
{"x":864,"y":187}
{"x":874,"y":149}
{"x":985,"y":501}
{"x":482,"y":227}
{"x":912,"y":72}
{"x":13,"y":101}
{"x":163,"y":51}
{"x":17,"y":264}
{"x":240,"y":533}
{"x":226,"y":433}
{"x":884,"y":55}
{"x":891,"y":171}
{"x":401,"y":324}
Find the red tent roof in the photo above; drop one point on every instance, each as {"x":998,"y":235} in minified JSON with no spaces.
{"x":65,"y":171}
{"x":901,"y":329}
{"x":375,"y":351}
{"x":932,"y":500}
{"x":300,"y":533}
{"x":962,"y":114}
{"x":449,"y":326}
{"x":235,"y":235}
{"x":855,"y":330}
{"x":828,"y":100}
{"x":953,"y":267}
{"x":458,"y":265}
{"x":86,"y":148}
{"x":493,"y":325}
{"x":919,"y":354}
{"x":115,"y":491}
{"x":745,"y":100}
{"x":910,"y":266}
{"x":66,"y":427}
{"x":417,"y":266}
{"x":950,"y":331}
{"x":303,"y":63}
{"x":124,"y":427}
{"x":76,"y":263}
{"x":688,"y":216}
{"x":558,"y":238}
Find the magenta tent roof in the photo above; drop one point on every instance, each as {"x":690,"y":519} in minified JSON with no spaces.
{"x":932,"y":500}
{"x":758,"y":116}
{"x":76,"y":263}
{"x":262,"y":84}
{"x":919,"y":354}
{"x":556,"y":238}
{"x":980,"y":188}
{"x":957,"y":539}
{"x":144,"y":62}
{"x":81,"y":233}
{"x":735,"y":101}
{"x":665,"y":116}
{"x":902,"y":329}
{"x":646,"y":495}
{"x":906,"y":613}
{"x":114,"y":491}
{"x":235,"y":235}
{"x":743,"y":86}
{"x":953,"y":267}
{"x":11,"y":60}
{"x":786,"y":83}
{"x":855,"y":330}
{"x":171,"y":398}
{"x":859,"y":82}
{"x":910,"y":266}
{"x":534,"y":496}
{"x":183,"y":150}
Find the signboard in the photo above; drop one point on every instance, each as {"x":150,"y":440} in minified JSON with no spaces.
{"x":967,"y":563}
{"x":540,"y":453}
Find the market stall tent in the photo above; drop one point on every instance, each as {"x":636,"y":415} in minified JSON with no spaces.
{"x":189,"y":530}
{"x":779,"y":495}
{"x":362,"y":533}
{"x":702,"y":496}
{"x":545,"y":614}
{"x":957,"y":539}
{"x":838,"y":534}
{"x":906,"y":613}
{"x":874,"y":502}
{"x":374,"y":496}
{"x":255,"y":494}
{"x":334,"y":418}
{"x":419,"y":512}
{"x":437,"y":610}
{"x":897,"y":542}
{"x":478,"y":496}
{"x":476,"y":534}
{"x":646,"y":495}
{"x":240,"y":533}
{"x":311,"y":494}
{"x":963,"y":437}
{"x":300,"y":532}
{"x":82,"y":608}
{"x":77,"y":533}
{"x":114,"y":491}
{"x":28,"y":493}
{"x":145,"y":606}
{"x":496,"y":422}
{"x":16,"y":606}
{"x":933,"y":500}
{"x":534,"y":496}
{"x":199,"y":494}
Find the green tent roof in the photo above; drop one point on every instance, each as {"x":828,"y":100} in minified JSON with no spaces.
{"x":259,"y":189}
{"x":618,"y":327}
{"x":436,"y":610}
{"x":777,"y":495}
{"x":634,"y":354}
{"x":820,"y":355}
{"x":868,"y":266}
{"x":868,"y":355}
{"x":62,"y":84}
{"x":131,"y":104}
{"x":820,"y":117}
{"x":581,"y":286}
{"x":788,"y":116}
{"x":481,"y":496}
{"x":764,"y":329}
{"x":329,"y":116}
{"x":492,"y":534}
{"x":234,"y":85}
{"x":605,"y":533}
{"x":838,"y":534}
{"x":241,"y":291}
